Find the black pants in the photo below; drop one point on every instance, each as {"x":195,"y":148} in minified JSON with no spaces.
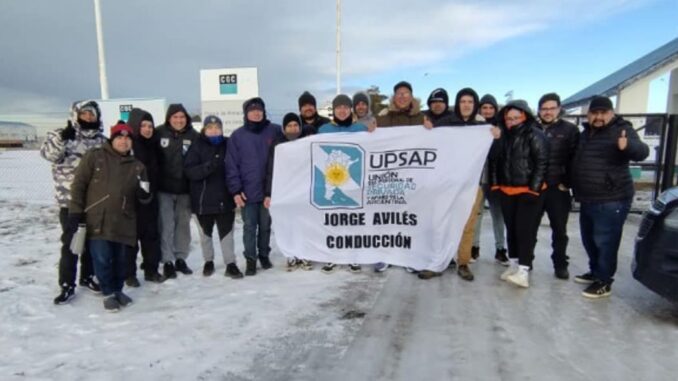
{"x":557,"y":206}
{"x":148,"y":240}
{"x":224,"y":222}
{"x":68,"y":264}
{"x":521,"y":216}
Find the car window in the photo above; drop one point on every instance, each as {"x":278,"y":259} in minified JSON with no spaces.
{"x":671,"y":220}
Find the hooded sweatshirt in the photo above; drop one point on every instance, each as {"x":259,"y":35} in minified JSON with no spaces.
{"x":173,"y":146}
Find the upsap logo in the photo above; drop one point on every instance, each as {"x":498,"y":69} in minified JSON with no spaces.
{"x":415,"y":158}
{"x":228,"y":84}
{"x":124,"y":112}
{"x":337,"y":179}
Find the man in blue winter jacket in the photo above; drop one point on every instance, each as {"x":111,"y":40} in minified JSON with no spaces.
{"x":246,"y":161}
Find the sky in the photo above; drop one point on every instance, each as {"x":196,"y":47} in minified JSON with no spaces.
{"x":156,"y":48}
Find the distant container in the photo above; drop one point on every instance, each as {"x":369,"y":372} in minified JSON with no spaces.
{"x":17,"y":134}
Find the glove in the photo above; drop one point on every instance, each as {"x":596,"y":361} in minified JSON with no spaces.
{"x":68,"y":133}
{"x":74,"y":219}
{"x":144,"y":189}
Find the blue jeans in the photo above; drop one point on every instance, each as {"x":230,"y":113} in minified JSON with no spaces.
{"x":601,"y":225}
{"x":110,"y":264}
{"x":255,"y":216}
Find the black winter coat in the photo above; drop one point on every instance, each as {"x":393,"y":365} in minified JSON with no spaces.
{"x":563,"y":138}
{"x":600,"y":171}
{"x":205,"y":167}
{"x":173,"y":146}
{"x":520,"y":157}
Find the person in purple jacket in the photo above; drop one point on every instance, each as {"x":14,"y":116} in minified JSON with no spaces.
{"x":246,"y":160}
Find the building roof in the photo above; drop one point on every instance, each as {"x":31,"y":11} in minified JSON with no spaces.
{"x":623,"y":77}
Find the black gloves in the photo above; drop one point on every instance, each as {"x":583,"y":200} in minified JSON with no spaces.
{"x":68,"y":133}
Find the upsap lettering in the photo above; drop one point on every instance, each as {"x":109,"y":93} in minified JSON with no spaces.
{"x":369,"y":241}
{"x":414,"y":158}
{"x":394,"y":218}
{"x":344,"y":219}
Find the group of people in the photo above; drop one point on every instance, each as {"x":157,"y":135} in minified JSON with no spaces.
{"x":137,"y":190}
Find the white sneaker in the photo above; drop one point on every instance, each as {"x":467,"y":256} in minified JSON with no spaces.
{"x":512,"y":269}
{"x":520,"y":278}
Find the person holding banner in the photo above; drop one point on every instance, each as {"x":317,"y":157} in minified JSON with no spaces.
{"x":465,"y":114}
{"x":308,"y":112}
{"x":518,"y":173}
{"x":488,"y":110}
{"x":342,"y":121}
{"x":210,"y":201}
{"x":291,"y":130}
{"x":362,"y":109}
{"x":246,"y":160}
{"x":106,"y":185}
{"x":403,"y":109}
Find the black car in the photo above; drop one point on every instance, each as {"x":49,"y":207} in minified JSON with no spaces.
{"x":655,"y":263}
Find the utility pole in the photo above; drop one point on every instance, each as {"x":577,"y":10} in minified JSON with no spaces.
{"x":338,"y":47}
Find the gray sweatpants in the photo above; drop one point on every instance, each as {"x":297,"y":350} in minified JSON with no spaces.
{"x":224,"y":223}
{"x":175,"y":226}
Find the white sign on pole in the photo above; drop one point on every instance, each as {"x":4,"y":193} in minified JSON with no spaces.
{"x":113,"y":110}
{"x":223,"y":91}
{"x":397,"y":195}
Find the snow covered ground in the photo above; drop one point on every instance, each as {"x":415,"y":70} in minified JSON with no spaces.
{"x":311,"y":326}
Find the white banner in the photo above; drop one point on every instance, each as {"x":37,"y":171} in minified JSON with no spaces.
{"x":398,"y":195}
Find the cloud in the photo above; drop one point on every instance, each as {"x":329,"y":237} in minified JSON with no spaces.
{"x":156,"y":48}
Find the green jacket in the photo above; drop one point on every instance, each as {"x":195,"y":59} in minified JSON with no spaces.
{"x":105,"y":189}
{"x":392,"y":117}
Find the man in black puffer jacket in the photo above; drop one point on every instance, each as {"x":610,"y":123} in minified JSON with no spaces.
{"x":563,"y":137}
{"x":145,"y":149}
{"x":175,"y":138}
{"x":210,"y":200}
{"x":518,"y":172}
{"x":603,"y":185}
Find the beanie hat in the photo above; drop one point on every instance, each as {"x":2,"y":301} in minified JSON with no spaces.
{"x":360,"y":97}
{"x":549,"y":97}
{"x":600,"y":103}
{"x":211,"y":119}
{"x":488,"y":99}
{"x":120,"y":129}
{"x":290,"y":117}
{"x":438,"y":95}
{"x":342,"y":100}
{"x":307,"y":99}
{"x":402,"y":84}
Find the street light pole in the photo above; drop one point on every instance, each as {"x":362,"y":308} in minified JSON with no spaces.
{"x":338,"y":47}
{"x":103,"y":80}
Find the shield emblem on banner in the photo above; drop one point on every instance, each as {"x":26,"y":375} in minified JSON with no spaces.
{"x":164,"y":142}
{"x":337,"y":175}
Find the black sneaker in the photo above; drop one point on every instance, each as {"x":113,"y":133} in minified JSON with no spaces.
{"x":169,"y":271}
{"x":501,"y":257}
{"x":328,"y":268}
{"x":182,"y":267}
{"x":265,"y":263}
{"x":465,"y":273}
{"x":354,"y":268}
{"x":67,"y":293}
{"x":233,"y":271}
{"x":453,"y":264}
{"x":587,"y":278}
{"x":208,"y":269}
{"x":562,"y":273}
{"x":123,"y":299}
{"x":154,"y":277}
{"x":475,"y":253}
{"x":251,"y":268}
{"x":597,"y":290}
{"x":111,"y":303}
{"x":90,"y":284}
{"x":132,"y":282}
